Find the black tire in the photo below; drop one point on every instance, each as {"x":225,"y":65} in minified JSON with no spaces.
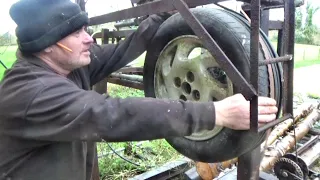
{"x":276,"y":67}
{"x":229,"y":33}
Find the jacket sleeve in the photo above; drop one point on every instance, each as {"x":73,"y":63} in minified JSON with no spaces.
{"x":63,"y":112}
{"x":108,"y":58}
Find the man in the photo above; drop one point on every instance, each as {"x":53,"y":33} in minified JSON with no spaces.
{"x":50,"y":118}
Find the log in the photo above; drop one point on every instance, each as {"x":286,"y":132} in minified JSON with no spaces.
{"x":278,"y":149}
{"x":281,"y":128}
{"x":209,"y":171}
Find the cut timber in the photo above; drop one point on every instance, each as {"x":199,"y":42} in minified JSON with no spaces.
{"x":212,"y":170}
{"x":281,"y":128}
{"x":284,"y":145}
{"x":209,"y":171}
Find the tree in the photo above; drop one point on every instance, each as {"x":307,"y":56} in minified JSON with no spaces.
{"x":306,"y":31}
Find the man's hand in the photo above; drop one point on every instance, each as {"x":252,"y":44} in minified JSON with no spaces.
{"x":234,"y":112}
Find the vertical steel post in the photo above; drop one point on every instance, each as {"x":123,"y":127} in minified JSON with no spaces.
{"x":288,"y":42}
{"x":254,"y":60}
{"x":265,"y":21}
{"x":279,"y":43}
{"x":248,"y":167}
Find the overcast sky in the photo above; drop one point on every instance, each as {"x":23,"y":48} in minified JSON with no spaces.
{"x":95,"y":7}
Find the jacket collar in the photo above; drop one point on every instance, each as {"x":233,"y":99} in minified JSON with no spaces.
{"x":37,"y":62}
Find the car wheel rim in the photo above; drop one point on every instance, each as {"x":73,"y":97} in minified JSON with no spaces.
{"x":186,"y":70}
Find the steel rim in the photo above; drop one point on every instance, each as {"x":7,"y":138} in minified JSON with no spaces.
{"x":184,"y":70}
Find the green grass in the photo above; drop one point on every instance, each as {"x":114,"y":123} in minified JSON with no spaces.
{"x":148,"y":155}
{"x":7,"y":56}
{"x":155,"y":153}
{"x":112,"y":166}
{"x":304,"y":55}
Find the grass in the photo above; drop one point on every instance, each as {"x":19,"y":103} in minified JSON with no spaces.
{"x":7,"y":56}
{"x":150,"y":153}
{"x":304,"y":55}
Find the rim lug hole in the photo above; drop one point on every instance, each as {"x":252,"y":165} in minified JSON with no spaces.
{"x":186,"y":87}
{"x":177,"y":82}
{"x":182,"y":97}
{"x":190,"y":76}
{"x":196,"y":95}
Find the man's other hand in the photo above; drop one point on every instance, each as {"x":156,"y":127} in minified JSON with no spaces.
{"x":234,"y":112}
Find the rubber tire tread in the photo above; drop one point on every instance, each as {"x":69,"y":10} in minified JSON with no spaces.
{"x":229,"y":33}
{"x":276,"y":68}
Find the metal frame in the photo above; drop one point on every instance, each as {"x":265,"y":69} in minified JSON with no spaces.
{"x":248,"y":163}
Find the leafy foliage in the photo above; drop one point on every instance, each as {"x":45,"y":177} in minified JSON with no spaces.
{"x":306,"y":31}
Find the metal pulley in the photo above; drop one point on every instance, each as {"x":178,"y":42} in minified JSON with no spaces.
{"x":286,"y":168}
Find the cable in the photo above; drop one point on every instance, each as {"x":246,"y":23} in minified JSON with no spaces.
{"x":295,"y":141}
{"x":3,"y":64}
{"x":125,"y":159}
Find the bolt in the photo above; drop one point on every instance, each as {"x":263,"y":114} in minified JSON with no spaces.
{"x":284,"y":174}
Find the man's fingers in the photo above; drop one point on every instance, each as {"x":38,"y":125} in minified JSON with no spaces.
{"x":266,"y":101}
{"x":267,"y":110}
{"x":265,"y":118}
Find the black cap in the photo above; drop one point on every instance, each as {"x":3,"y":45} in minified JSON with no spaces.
{"x":42,"y":23}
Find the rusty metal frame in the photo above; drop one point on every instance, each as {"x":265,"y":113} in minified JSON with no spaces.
{"x":247,"y":163}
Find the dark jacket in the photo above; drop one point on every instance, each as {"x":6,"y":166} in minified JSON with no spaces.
{"x":49,"y":123}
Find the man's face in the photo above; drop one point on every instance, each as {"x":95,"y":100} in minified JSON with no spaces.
{"x":79,"y":42}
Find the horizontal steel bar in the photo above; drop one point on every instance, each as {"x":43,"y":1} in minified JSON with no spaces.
{"x":305,"y":146}
{"x":131,"y":70}
{"x":272,"y":4}
{"x":158,"y":7}
{"x":145,"y":9}
{"x":127,"y":83}
{"x":273,"y":123}
{"x":275,"y":25}
{"x":314,"y":131}
{"x":276,"y":60}
{"x":127,"y":77}
{"x":166,"y":171}
{"x":232,"y":72}
{"x":111,"y":34}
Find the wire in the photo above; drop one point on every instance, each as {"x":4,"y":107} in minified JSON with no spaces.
{"x":125,"y":159}
{"x":3,"y":64}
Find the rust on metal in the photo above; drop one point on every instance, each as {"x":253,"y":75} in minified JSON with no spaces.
{"x":122,"y":33}
{"x":123,"y":82}
{"x":127,"y":77}
{"x":131,"y":70}
{"x":276,"y":60}
{"x":247,"y":90}
{"x":273,"y":123}
{"x":288,"y":48}
{"x":254,"y":57}
{"x":143,"y":10}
